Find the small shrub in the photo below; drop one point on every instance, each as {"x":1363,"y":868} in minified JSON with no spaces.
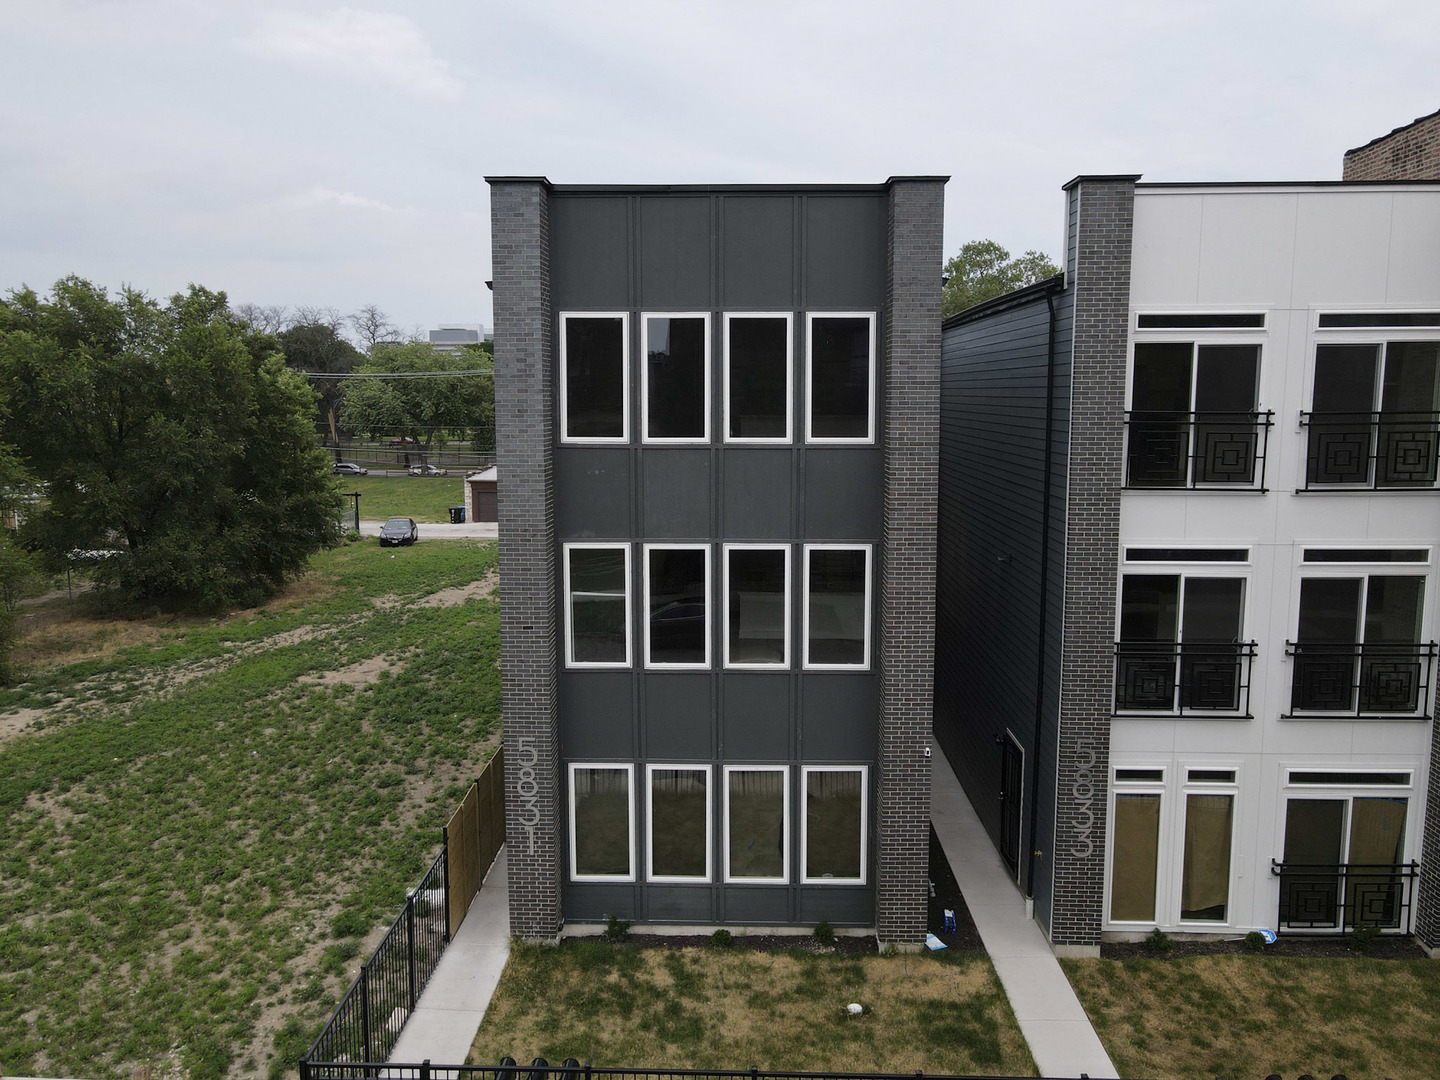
{"x":890,"y":950}
{"x":349,"y":924}
{"x":352,"y":537}
{"x":1254,"y":941}
{"x":616,"y":929}
{"x":1158,"y":943}
{"x":1362,"y":940}
{"x":824,"y":932}
{"x":721,"y":939}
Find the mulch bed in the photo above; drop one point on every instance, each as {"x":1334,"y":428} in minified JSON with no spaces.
{"x":945,"y":893}
{"x":1381,"y":948}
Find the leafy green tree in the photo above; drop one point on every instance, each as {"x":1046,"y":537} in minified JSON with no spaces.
{"x":315,"y":346}
{"x":171,"y":436}
{"x":984,"y":270}
{"x":19,"y":569}
{"x":427,"y":408}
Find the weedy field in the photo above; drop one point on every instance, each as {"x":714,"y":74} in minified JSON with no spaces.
{"x":205,"y":823}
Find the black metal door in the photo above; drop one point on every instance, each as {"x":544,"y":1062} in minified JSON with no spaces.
{"x":1011,"y":781}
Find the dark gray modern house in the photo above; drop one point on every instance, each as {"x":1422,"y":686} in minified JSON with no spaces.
{"x":1189,"y":556}
{"x":717,"y":414}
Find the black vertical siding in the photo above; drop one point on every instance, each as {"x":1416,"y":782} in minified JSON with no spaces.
{"x":992,"y":510}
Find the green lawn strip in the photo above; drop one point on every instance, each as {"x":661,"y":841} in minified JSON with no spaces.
{"x":1207,"y":1016}
{"x":171,"y":867}
{"x":424,"y":498}
{"x":619,"y":1006}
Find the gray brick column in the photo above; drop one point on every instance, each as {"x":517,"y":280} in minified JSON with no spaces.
{"x":525,"y":448}
{"x":910,"y":396}
{"x":1427,"y":913}
{"x":1099,"y":267}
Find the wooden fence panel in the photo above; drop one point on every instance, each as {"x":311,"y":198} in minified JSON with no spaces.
{"x":473,"y":837}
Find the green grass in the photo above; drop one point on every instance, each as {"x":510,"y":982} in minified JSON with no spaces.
{"x":424,"y":498}
{"x":712,"y":1008}
{"x":197,"y":814}
{"x":1247,"y":1016}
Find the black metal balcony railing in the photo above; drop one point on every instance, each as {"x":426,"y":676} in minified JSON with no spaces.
{"x":1190,"y":449}
{"x":1318,"y":896}
{"x":1360,"y":680}
{"x":1372,"y":449}
{"x":1183,"y":679}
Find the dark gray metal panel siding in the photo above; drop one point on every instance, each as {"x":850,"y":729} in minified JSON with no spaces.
{"x":716,"y":252}
{"x":992,"y":502}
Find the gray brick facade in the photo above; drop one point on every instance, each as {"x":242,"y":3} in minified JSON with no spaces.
{"x":1099,"y":269}
{"x":525,"y":439}
{"x":1411,"y":152}
{"x":911,"y":396}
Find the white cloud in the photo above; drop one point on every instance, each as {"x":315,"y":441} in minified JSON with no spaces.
{"x":323,"y":196}
{"x":372,"y":46}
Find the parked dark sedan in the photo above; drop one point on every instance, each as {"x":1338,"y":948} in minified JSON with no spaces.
{"x":349,"y":468}
{"x":398,"y":531}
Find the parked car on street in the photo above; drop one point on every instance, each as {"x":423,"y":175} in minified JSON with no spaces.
{"x":349,"y":468}
{"x":426,"y":470}
{"x":398,"y":531}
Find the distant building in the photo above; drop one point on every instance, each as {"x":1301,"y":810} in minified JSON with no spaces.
{"x":1411,"y":152}
{"x":450,"y":336}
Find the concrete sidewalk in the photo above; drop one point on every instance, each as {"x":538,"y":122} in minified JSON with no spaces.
{"x":454,"y":1002}
{"x":1060,"y":1035}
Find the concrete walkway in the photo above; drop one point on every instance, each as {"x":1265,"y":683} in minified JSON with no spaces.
{"x":454,"y":1002}
{"x":1051,"y":1018}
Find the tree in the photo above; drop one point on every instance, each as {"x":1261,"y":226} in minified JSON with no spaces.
{"x":984,"y":270}
{"x":19,"y":569}
{"x":266,"y":318}
{"x":373,"y":328}
{"x":171,"y":436}
{"x":424,"y":408}
{"x":313,"y":344}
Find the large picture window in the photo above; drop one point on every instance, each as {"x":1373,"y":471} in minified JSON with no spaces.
{"x":675,"y":377}
{"x":1205,"y":879}
{"x":1134,"y":855}
{"x":757,"y":605}
{"x":758,"y":380}
{"x":832,"y":836}
{"x":837,"y":605}
{"x":840,"y":377}
{"x":677,"y":605}
{"x":595,"y":378}
{"x":597,"y":605}
{"x":757,"y":823}
{"x":678,"y":810}
{"x":602,"y":823}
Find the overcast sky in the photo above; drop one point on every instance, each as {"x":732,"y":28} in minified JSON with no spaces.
{"x":307,"y":153}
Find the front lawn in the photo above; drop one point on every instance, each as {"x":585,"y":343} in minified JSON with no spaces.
{"x":1199,"y":1017}
{"x":206,"y":823}
{"x":710,"y":1008}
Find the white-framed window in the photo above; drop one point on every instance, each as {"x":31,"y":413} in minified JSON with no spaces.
{"x":602,"y":822}
{"x":678,"y":844}
{"x":1361,"y":647}
{"x":759,"y":376}
{"x":1207,"y":849}
{"x":757,"y":605}
{"x":595,"y":377}
{"x":1136,"y":801}
{"x":833,"y":830}
{"x":840,"y":377}
{"x":1346,"y":838}
{"x":675,"y":377}
{"x":597,"y":605}
{"x":677,"y":606}
{"x":1181,"y":648}
{"x":757,"y":824}
{"x":836,"y":613}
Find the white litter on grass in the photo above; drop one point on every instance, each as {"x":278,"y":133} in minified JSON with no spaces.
{"x":854,"y":1009}
{"x":933,"y":943}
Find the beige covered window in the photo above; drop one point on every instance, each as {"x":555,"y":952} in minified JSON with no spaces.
{"x":1132,"y":869}
{"x":1205,"y":885}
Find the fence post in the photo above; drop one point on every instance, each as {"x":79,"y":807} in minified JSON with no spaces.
{"x":410,"y":945}
{"x":304,"y":1069}
{"x":365,"y":1008}
{"x":445,"y":850}
{"x":425,"y":1069}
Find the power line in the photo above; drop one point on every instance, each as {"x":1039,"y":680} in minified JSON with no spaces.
{"x":396,"y":374}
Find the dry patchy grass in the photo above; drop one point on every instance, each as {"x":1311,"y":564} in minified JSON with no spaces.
{"x":1246,"y":1016}
{"x":721,"y":1008}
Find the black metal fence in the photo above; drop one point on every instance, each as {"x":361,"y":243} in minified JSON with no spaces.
{"x":1374,"y":449}
{"x":1360,"y":679}
{"x":1346,"y":896}
{"x":573,"y":1070}
{"x":1184,"y":679}
{"x":1196,"y":449}
{"x":369,"y":1018}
